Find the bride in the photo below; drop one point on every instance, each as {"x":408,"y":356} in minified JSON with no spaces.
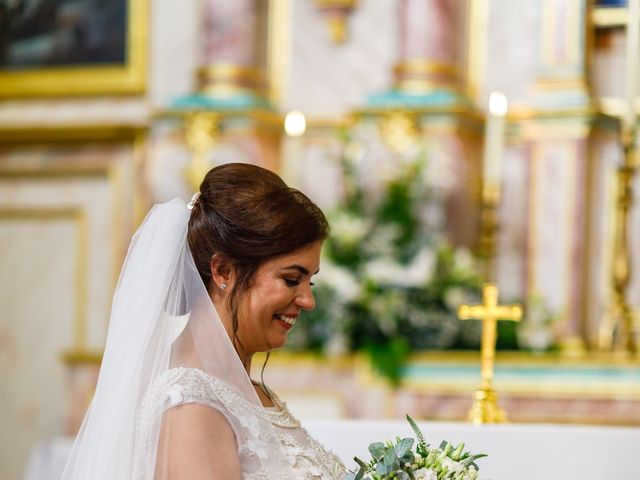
{"x":202,"y":290}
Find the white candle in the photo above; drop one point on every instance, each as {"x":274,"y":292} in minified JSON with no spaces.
{"x":294,"y":126}
{"x":631,"y":63}
{"x":494,"y":140}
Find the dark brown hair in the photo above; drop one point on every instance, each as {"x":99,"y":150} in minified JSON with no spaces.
{"x":248,"y":215}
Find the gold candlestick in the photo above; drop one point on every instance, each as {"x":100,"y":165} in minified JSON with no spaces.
{"x":489,"y":230}
{"x":616,"y":331}
{"x":485,"y":407}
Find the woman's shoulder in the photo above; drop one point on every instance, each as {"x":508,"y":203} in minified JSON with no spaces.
{"x":184,"y":386}
{"x":181,"y":385}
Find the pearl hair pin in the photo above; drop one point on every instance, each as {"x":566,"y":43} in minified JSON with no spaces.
{"x":193,"y":201}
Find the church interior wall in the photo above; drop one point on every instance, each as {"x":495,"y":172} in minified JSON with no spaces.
{"x":328,"y":81}
{"x":66,"y":215}
{"x":556,"y":229}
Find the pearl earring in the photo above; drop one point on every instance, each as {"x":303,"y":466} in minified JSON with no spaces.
{"x":223,"y":286}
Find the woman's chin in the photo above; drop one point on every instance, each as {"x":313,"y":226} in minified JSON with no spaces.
{"x":275,"y":345}
{"x":277,"y":341}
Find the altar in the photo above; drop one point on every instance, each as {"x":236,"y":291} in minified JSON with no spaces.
{"x":533,"y":388}
{"x":515,"y":451}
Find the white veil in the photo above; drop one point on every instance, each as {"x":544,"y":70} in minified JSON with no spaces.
{"x":162,"y":317}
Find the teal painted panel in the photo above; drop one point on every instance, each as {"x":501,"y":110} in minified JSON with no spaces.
{"x":230,"y":103}
{"x":530,"y":373}
{"x":395,"y":99}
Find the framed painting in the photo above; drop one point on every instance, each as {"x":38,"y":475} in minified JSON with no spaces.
{"x":72,"y":47}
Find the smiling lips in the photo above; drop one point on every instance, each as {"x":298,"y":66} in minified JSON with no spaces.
{"x":289,"y":320}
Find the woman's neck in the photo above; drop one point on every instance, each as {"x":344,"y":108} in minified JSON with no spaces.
{"x":247,"y":363}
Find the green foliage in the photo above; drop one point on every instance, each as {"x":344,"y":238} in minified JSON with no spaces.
{"x":390,"y":282}
{"x":389,"y":358}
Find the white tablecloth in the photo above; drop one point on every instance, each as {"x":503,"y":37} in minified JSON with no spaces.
{"x":516,"y":452}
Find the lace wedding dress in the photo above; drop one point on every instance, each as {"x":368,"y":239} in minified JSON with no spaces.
{"x":179,"y":386}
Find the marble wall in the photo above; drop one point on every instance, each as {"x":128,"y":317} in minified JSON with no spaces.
{"x":65,"y":218}
{"x":327,"y":81}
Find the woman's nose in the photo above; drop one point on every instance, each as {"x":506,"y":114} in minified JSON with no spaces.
{"x":305,"y":298}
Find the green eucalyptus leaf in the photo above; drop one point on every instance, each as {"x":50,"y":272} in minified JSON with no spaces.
{"x":471,"y":460}
{"x":403,"y":446}
{"x":408,"y":457}
{"x":377,"y":449}
{"x":383,"y":469}
{"x":390,"y":457}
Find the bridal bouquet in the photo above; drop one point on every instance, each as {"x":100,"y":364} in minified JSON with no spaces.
{"x":400,"y":461}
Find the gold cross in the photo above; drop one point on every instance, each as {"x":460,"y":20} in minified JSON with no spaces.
{"x":489,"y":312}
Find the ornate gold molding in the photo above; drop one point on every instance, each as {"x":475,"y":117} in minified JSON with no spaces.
{"x":226,"y":79}
{"x":336,"y":13}
{"x":279,"y":47}
{"x":43,"y":133}
{"x":79,"y":356}
{"x":475,"y":51}
{"x":425,"y":75}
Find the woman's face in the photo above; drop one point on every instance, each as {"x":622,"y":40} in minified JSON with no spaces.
{"x":280,"y":291}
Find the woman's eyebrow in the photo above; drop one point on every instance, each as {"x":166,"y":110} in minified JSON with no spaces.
{"x":300,"y":268}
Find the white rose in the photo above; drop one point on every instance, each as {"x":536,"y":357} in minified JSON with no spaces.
{"x":452,"y":465}
{"x":463,"y":259}
{"x":425,"y":474}
{"x":454,"y":297}
{"x":341,"y":280}
{"x":348,"y":229}
{"x":421,"y":269}
{"x":384,"y":270}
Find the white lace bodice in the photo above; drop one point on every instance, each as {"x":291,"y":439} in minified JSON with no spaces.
{"x":306,"y":457}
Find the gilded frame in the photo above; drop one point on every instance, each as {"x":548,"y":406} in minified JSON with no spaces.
{"x":128,"y":78}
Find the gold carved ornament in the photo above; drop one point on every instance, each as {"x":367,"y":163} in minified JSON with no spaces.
{"x":400,"y":131}
{"x":201,"y":133}
{"x":336,"y":13}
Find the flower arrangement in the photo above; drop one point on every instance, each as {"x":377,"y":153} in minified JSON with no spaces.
{"x":390,"y":282}
{"x":401,"y":461}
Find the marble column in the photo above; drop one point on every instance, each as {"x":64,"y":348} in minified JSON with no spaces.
{"x":427,"y":76}
{"x":429,"y":45}
{"x":233,"y":53}
{"x":555,"y":143}
{"x":229,"y":117}
{"x":561,"y":80}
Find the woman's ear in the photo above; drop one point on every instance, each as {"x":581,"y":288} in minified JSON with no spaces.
{"x":222,"y":273}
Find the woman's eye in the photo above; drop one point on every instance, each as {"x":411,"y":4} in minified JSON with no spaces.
{"x":311,"y":283}
{"x":291,"y":282}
